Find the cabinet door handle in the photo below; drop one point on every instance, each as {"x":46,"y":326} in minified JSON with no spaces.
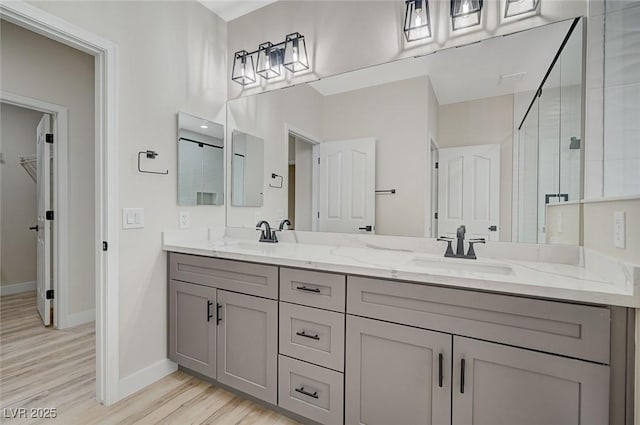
{"x":209,"y":315}
{"x":462,"y":376}
{"x":308,"y":394}
{"x":218,"y":318}
{"x":440,"y":370}
{"x":306,"y":335}
{"x":304,"y":288}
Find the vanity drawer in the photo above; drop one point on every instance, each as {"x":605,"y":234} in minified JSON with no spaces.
{"x":569,"y":329}
{"x":315,"y":289}
{"x":311,"y":391}
{"x":247,"y":278}
{"x":312,"y":335}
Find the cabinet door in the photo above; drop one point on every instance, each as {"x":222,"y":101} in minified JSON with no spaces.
{"x":501,"y":385}
{"x":248,"y":344}
{"x":396,"y":374}
{"x":192,"y":327}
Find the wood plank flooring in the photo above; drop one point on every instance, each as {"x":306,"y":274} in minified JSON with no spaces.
{"x":46,"y":368}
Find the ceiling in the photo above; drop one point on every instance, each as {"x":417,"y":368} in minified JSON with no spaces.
{"x":468,"y":72}
{"x":230,"y":10}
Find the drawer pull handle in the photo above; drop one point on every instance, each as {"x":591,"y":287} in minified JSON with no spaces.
{"x":462,"y":377}
{"x":304,"y":288}
{"x":308,"y":394}
{"x":306,"y":335}
{"x":440,"y":370}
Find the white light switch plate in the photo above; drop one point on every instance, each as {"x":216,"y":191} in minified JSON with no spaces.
{"x":132,"y":218}
{"x":619,"y":229}
{"x":183,"y":220}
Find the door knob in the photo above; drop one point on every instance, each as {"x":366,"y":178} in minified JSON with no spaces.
{"x":493,"y":228}
{"x":34,"y":228}
{"x":367,"y":228}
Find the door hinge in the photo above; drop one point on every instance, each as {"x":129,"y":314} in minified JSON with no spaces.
{"x":49,"y":294}
{"x":318,"y":214}
{"x":437,"y":164}
{"x":318,"y":160}
{"x":435,"y":216}
{"x":48,"y":137}
{"x":48,"y":215}
{"x":105,"y":245}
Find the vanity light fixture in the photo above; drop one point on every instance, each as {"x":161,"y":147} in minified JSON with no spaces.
{"x":295,"y":53}
{"x":269,"y":61}
{"x":243,"y":68}
{"x":416,"y":20}
{"x":518,"y":7}
{"x":290,"y":53}
{"x":465,"y":13}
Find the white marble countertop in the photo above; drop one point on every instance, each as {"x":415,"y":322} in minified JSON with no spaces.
{"x":598,"y":281}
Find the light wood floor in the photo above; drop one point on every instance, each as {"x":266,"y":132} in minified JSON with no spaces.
{"x":46,"y":368}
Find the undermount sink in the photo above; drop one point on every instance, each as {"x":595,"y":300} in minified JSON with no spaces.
{"x":253,"y":246}
{"x":474,"y":266}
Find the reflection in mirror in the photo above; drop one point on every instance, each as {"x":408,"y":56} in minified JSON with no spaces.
{"x":247,"y":170}
{"x":420,"y":146}
{"x":200,"y":161}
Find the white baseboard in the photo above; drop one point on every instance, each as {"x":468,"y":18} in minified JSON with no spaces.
{"x":16,"y":288}
{"x":145,"y":377}
{"x":76,"y":319}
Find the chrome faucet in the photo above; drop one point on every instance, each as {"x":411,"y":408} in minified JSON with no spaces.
{"x":283,"y":223}
{"x":460,"y":232}
{"x":267,"y":235}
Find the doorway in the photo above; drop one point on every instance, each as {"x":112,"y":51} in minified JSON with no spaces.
{"x":302,"y":193}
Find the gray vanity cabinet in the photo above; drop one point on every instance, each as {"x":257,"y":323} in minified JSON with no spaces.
{"x":504,"y":386}
{"x":396,"y":374}
{"x":192,"y":327}
{"x":248,"y":344}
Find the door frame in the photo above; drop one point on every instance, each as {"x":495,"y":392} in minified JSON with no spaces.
{"x":106,"y":179}
{"x":60,"y":232}
{"x":315,"y":177}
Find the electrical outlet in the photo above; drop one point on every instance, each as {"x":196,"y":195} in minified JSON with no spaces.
{"x":183,"y":220}
{"x":619,"y":229}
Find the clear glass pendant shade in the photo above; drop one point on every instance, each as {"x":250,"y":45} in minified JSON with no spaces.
{"x":295,"y":53}
{"x":269,"y":61}
{"x":465,"y":13}
{"x":416,"y":20}
{"x":243,"y":68}
{"x":518,"y":7}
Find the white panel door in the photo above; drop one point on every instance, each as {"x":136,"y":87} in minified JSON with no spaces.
{"x":469,"y":191}
{"x":347,"y":186}
{"x":43,"y":155}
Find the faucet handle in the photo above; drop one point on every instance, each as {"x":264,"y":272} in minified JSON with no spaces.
{"x":472,"y":252}
{"x":449,"y":251}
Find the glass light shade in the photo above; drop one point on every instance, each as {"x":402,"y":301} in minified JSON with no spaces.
{"x":416,"y":20}
{"x":518,"y":7}
{"x":295,"y":53}
{"x":465,"y":13}
{"x":269,"y":60}
{"x":243,"y":68}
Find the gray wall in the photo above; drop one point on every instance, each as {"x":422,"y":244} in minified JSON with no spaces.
{"x":37,"y":67}
{"x":18,"y":207}
{"x":172,"y":57}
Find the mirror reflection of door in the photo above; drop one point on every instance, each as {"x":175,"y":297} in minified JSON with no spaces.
{"x":469,"y":191}
{"x":347,"y":186}
{"x":247,"y":164}
{"x":303,"y":192}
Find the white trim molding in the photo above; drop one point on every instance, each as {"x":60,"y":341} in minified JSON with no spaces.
{"x":106,"y":178}
{"x":16,"y":288}
{"x":146,"y":376}
{"x":80,"y":318}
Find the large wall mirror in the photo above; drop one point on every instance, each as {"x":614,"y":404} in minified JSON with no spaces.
{"x":200,"y":161}
{"x":488,"y":135}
